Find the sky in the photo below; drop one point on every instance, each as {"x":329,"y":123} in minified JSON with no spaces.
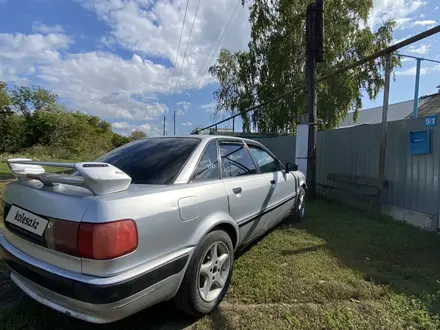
{"x":119,"y":59}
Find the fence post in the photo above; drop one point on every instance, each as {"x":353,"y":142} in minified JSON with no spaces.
{"x":383,"y":137}
{"x":311,"y":100}
{"x":416,"y":92}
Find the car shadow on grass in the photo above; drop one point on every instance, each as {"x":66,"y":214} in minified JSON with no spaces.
{"x":302,"y":250}
{"x":18,"y":311}
{"x":386,"y":251}
{"x":28,"y":314}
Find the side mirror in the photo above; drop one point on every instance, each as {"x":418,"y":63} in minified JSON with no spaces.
{"x":291,"y":167}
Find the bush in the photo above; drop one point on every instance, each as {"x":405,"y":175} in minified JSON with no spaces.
{"x":32,"y":122}
{"x":58,"y":134}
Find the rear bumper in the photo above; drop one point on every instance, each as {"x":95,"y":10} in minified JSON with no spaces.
{"x":93,"y":299}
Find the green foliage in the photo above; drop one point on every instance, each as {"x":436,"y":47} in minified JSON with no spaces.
{"x":119,"y":140}
{"x":4,"y":98}
{"x":25,"y":99}
{"x":12,"y":132}
{"x":135,"y":135}
{"x":31,"y":121}
{"x":275,"y":64}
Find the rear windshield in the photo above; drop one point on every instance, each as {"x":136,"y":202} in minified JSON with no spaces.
{"x":152,"y":161}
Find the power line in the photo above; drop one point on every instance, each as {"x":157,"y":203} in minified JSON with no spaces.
{"x":164,"y":124}
{"x":174,"y":121}
{"x":187,"y":43}
{"x":223,"y":20}
{"x":221,"y":34}
{"x":223,"y":28}
{"x":178,"y":47}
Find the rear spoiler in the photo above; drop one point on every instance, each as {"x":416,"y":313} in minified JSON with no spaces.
{"x":99,"y":178}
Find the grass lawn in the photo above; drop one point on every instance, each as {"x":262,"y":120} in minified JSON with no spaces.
{"x":337,"y":270}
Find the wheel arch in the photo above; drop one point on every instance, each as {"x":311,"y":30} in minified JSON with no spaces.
{"x":218,"y":221}
{"x":229,"y":229}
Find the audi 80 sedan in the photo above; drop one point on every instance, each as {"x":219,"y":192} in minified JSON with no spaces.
{"x":154,"y":220}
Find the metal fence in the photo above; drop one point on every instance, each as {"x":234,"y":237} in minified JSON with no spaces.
{"x":414,"y":179}
{"x":414,"y":183}
{"x":282,"y":146}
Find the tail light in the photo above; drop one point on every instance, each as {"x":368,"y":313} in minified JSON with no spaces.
{"x":107,"y":240}
{"x":97,"y":241}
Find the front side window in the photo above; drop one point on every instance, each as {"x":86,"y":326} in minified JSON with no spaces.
{"x":207,"y":169}
{"x":152,"y":161}
{"x":236,"y":160}
{"x":265,"y":162}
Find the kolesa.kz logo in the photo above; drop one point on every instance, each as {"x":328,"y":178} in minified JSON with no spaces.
{"x":20,"y":217}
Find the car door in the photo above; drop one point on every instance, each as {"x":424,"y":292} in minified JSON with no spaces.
{"x":283,"y":185}
{"x":247,"y":190}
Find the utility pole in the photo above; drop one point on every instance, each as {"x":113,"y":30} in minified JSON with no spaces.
{"x":314,"y":54}
{"x":164,"y":122}
{"x":383,"y":137}
{"x":174,"y":121}
{"x":416,"y":91}
{"x":418,"y":71}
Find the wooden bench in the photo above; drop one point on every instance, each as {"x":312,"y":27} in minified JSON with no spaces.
{"x":354,"y":185}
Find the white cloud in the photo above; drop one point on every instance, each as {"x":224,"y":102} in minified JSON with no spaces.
{"x":187,"y":123}
{"x":429,"y":23}
{"x":401,"y":22}
{"x":39,"y":27}
{"x":436,"y":8}
{"x":422,"y":49}
{"x":35,"y":46}
{"x":410,"y":72}
{"x":399,"y":10}
{"x":209,"y":107}
{"x":184,"y":104}
{"x":108,"y":41}
{"x":152,"y":28}
{"x":121,"y":89}
{"x":180,"y":112}
{"x":20,"y":54}
{"x":126,"y":128}
{"x":423,"y":71}
{"x":96,"y":82}
{"x":107,"y":85}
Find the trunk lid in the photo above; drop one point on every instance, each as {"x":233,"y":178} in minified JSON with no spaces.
{"x":33,"y":213}
{"x":43,"y":211}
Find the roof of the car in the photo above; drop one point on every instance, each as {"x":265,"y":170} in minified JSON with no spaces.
{"x":201,"y":137}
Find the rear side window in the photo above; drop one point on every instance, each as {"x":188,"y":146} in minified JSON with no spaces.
{"x":236,"y":160}
{"x":152,"y":161}
{"x":265,"y":162}
{"x":207,"y":169}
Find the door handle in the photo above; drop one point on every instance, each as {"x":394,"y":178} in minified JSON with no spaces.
{"x":237,"y":190}
{"x":272,"y":181}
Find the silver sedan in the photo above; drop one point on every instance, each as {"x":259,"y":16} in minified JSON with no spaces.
{"x":153,"y":220}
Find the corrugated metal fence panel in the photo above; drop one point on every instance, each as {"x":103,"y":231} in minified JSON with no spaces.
{"x":353,"y":151}
{"x":282,"y":146}
{"x":414,"y":179}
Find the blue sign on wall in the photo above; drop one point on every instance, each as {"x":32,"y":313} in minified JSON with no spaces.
{"x":419,"y":143}
{"x":431,"y":121}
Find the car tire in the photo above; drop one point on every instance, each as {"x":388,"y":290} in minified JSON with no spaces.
{"x":194,"y":295}
{"x":299,"y":209}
